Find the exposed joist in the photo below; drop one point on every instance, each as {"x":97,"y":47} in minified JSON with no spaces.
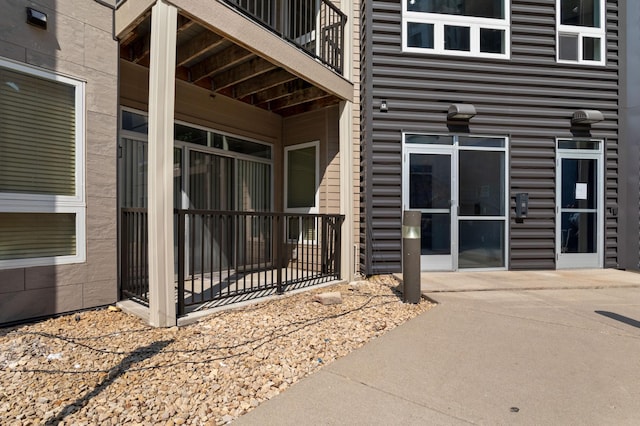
{"x":197,"y":46}
{"x":224,"y":59}
{"x":262,"y":82}
{"x":184,"y":23}
{"x":297,"y":98}
{"x":309,"y":106}
{"x":242,"y":72}
{"x":279,"y":91}
{"x":140,"y":48}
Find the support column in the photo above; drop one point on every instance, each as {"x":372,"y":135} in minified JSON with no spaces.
{"x":162,"y":303}
{"x":346,"y":154}
{"x":346,"y":194}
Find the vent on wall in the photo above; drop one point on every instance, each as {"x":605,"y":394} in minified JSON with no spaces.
{"x":587,"y":116}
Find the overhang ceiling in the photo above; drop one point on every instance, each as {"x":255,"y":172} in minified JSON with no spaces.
{"x":208,"y":60}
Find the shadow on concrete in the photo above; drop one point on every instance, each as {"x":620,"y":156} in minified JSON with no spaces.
{"x":621,"y":318}
{"x":134,"y":357}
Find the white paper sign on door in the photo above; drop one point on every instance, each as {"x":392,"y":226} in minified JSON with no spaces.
{"x":581,"y":191}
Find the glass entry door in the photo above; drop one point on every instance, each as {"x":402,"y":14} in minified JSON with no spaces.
{"x":459,"y":184}
{"x":430,"y":189}
{"x":579,"y":234}
{"x":481,"y":215}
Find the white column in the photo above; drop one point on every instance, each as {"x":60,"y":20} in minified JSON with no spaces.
{"x":346,"y":194}
{"x":346,"y":155}
{"x":162,"y":303}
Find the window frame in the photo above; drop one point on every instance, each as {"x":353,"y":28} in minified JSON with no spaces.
{"x":46,"y":203}
{"x":475,"y":24}
{"x":315,"y":209}
{"x":581,"y":32}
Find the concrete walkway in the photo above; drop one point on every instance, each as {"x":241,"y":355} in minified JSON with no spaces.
{"x":529,"y":348}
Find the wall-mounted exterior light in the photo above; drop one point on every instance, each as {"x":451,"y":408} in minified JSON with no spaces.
{"x":587,"y":116}
{"x":461,"y":112}
{"x":37,"y":18}
{"x":383,"y":106}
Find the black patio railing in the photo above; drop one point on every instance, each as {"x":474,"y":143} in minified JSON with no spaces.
{"x":315,"y":26}
{"x":134,"y":256}
{"x":231,"y":256}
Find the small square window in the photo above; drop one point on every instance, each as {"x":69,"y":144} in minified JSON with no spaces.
{"x":591,"y":49}
{"x":568,"y":47}
{"x":456,"y":38}
{"x":420,"y":35}
{"x":491,"y":40}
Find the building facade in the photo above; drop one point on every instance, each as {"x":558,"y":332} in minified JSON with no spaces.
{"x":240,"y":110}
{"x":58,"y":141}
{"x":499,"y":121}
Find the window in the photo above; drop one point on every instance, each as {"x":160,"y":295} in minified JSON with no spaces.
{"x":301,"y":195}
{"x":42,"y":200}
{"x":581,"y":31}
{"x":457,"y":27}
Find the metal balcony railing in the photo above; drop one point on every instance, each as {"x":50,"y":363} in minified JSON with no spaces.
{"x":230,"y":256}
{"x":315,"y":26}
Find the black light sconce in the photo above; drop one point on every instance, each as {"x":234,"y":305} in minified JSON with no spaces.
{"x":37,"y":18}
{"x":383,"y":106}
{"x":461,"y":112}
{"x":587,"y":116}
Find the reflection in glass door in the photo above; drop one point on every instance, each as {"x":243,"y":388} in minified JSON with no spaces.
{"x":579,"y":236}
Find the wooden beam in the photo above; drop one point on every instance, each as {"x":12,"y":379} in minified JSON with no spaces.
{"x":197,"y":46}
{"x":242,"y":72}
{"x":184,"y":23}
{"x":309,"y":106}
{"x":296,"y":98}
{"x":228,"y":57}
{"x":262,"y":82}
{"x":279,"y":91}
{"x":140,"y":48}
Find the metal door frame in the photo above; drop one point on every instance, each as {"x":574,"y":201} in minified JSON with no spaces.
{"x":440,"y":262}
{"x":581,"y":260}
{"x":453,"y":151}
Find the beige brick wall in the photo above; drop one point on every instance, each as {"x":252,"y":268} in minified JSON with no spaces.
{"x":78,"y":43}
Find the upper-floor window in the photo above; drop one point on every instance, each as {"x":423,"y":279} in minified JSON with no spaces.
{"x":581,"y":31}
{"x":457,"y":27}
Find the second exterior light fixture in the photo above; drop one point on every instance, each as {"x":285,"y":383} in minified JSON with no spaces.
{"x":461,"y":112}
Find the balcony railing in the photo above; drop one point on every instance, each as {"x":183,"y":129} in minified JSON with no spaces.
{"x":315,"y":26}
{"x":230,"y":256}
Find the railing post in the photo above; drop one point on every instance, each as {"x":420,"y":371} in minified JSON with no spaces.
{"x":124,"y":260}
{"x":338,"y":245}
{"x":181,"y":243}
{"x":325,"y":244}
{"x":280,"y":221}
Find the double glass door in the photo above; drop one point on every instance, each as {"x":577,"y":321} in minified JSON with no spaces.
{"x":459,"y":185}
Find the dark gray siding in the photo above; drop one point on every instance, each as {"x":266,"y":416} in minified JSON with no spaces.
{"x":529,"y":98}
{"x":630,"y":136}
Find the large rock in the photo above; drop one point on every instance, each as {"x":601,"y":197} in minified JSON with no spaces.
{"x":329,"y":298}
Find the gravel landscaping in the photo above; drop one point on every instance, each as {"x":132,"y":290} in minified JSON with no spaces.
{"x":107,"y":367}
